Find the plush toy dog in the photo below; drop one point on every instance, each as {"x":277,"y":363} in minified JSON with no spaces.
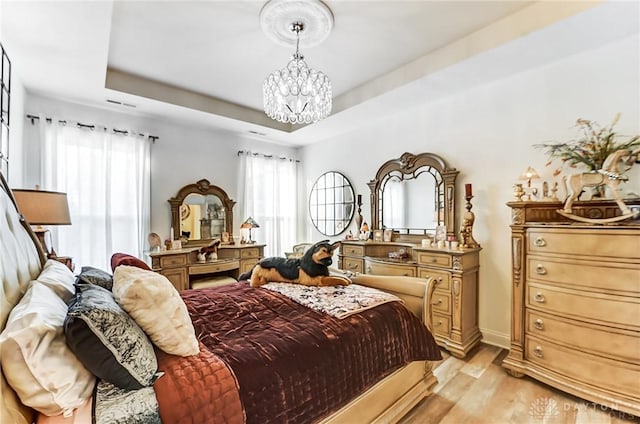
{"x":312,"y":269}
{"x":209,"y":252}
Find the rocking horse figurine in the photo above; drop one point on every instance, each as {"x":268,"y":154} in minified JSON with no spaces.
{"x":611,"y":174}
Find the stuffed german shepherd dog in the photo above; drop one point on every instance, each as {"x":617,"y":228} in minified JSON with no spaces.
{"x":311,"y":269}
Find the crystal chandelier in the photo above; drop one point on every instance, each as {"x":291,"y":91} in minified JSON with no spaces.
{"x":297,"y":94}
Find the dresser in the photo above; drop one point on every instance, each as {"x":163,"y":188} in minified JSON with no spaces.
{"x":454,"y":314}
{"x":182,"y":268}
{"x":576,"y":304}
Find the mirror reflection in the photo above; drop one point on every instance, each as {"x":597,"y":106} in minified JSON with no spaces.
{"x":414,"y":202}
{"x":331,"y":203}
{"x":202,"y":217}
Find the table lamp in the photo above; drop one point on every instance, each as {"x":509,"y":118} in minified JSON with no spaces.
{"x":40,"y":207}
{"x":250,"y":224}
{"x":528,"y":175}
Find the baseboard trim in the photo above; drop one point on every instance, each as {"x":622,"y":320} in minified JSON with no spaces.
{"x":496,"y":339}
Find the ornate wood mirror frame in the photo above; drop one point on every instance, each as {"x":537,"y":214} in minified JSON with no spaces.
{"x":410,"y":167}
{"x":202,"y":187}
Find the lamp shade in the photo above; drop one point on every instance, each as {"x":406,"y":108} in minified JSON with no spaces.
{"x":41,"y":207}
{"x":250,"y":223}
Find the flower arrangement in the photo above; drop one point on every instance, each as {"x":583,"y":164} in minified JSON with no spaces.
{"x":592,"y":148}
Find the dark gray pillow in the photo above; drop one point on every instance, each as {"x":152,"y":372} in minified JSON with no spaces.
{"x":107,"y":340}
{"x":96,"y":276}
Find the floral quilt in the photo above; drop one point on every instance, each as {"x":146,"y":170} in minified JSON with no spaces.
{"x":337,"y":301}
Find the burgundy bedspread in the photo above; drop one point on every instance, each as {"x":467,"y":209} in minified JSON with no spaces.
{"x":296,"y":365}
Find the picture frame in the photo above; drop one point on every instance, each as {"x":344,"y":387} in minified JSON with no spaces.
{"x":378,"y":235}
{"x":388,"y":233}
{"x":224,"y":237}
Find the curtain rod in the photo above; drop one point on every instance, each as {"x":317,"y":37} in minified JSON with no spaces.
{"x":266,"y":155}
{"x":153,"y":138}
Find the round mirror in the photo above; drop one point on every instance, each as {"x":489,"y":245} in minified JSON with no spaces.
{"x":331,"y":203}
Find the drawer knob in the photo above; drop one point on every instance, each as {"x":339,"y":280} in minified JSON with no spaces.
{"x":539,"y":324}
{"x":541,"y":270}
{"x":353,"y":266}
{"x":439,"y":322}
{"x":538,"y":351}
{"x":539,"y":297}
{"x":439,"y":302}
{"x":434,"y":260}
{"x":540,"y":242}
{"x":406,"y":275}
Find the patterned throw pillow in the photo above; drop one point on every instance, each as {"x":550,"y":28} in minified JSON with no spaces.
{"x":107,"y":341}
{"x":95,"y":276}
{"x":155,"y":304}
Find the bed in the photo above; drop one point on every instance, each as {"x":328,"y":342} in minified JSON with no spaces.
{"x":262,"y":357}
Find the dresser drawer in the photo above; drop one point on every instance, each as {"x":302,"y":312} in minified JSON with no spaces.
{"x":621,"y":377}
{"x":441,"y":279}
{"x":587,"y":242}
{"x":612,"y":309}
{"x":607,"y":341}
{"x":441,"y":324}
{"x":173,"y":260}
{"x":213,"y":267}
{"x":379,"y":268}
{"x":433,"y":259}
{"x":441,"y":302}
{"x":353,"y":265}
{"x":251,"y":252}
{"x":588,"y":274}
{"x":352,"y":250}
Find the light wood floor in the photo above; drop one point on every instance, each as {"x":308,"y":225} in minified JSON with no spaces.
{"x":477,"y":389}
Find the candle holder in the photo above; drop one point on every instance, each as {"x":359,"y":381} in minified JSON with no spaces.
{"x":466,"y":229}
{"x":359,"y":215}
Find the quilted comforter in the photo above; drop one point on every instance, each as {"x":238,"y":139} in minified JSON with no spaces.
{"x":275,"y":361}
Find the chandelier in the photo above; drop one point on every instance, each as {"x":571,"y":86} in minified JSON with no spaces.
{"x":296,"y":93}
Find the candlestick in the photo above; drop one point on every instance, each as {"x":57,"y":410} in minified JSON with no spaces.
{"x":467,"y":190}
{"x":466,"y":229}
{"x":359,"y":215}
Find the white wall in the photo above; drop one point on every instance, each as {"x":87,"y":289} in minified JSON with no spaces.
{"x":487,"y":133}
{"x":182,"y":155}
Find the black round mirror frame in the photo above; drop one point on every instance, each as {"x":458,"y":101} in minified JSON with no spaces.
{"x":410,"y":165}
{"x":202,"y":187}
{"x":338,"y":224}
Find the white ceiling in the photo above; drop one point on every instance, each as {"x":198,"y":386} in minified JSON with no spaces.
{"x":204,"y":62}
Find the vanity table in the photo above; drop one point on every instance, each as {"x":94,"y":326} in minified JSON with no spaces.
{"x":455,"y":273}
{"x":182,"y":268}
{"x":413,"y":196}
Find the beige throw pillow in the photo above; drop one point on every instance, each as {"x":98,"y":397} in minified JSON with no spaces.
{"x":36,"y":361}
{"x":155,"y":305}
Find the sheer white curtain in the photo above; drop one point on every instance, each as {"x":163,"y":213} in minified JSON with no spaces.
{"x":106,"y":177}
{"x":268,"y":191}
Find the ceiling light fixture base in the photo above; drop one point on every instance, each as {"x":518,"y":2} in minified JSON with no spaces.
{"x":277,"y":18}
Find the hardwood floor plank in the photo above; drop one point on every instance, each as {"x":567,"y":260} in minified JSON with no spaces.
{"x":481,"y":360}
{"x":476,"y":389}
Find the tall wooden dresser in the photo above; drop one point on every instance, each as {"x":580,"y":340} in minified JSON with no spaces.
{"x":576,"y":302}
{"x":454,"y":312}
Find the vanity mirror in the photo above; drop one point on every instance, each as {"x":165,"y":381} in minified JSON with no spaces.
{"x":331,"y":203}
{"x":413,"y":195}
{"x":201,"y":212}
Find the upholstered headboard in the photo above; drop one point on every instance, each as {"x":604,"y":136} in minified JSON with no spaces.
{"x":21,"y":259}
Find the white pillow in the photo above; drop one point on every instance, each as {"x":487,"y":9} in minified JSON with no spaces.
{"x":155,"y":305}
{"x":36,"y":361}
{"x":58,"y":278}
